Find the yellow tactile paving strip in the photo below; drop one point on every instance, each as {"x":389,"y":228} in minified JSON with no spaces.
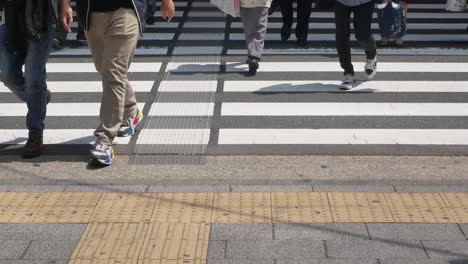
{"x":285,"y":207}
{"x":173,"y":228}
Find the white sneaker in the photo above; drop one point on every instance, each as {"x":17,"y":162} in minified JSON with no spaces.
{"x":348,"y":82}
{"x":103,"y":154}
{"x":371,"y":68}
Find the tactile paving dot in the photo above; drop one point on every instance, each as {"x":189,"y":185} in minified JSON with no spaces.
{"x":357,"y":199}
{"x":360,"y":214}
{"x":16,"y":214}
{"x":116,"y":207}
{"x":62,"y":215}
{"x":21,"y":199}
{"x":242,"y":199}
{"x":456,"y":200}
{"x":299,"y":199}
{"x":245,"y":214}
{"x":422,"y":215}
{"x":71,"y":199}
{"x":414,"y":200}
{"x":181,"y":213}
{"x":302,"y":215}
{"x":460,"y":215}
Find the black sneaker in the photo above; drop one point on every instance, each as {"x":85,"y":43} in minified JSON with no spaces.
{"x":81,"y":38}
{"x":348,"y":82}
{"x":285,"y":32}
{"x":253,"y":63}
{"x":57,"y":44}
{"x":371,"y":68}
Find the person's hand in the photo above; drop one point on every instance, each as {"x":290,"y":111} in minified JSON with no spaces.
{"x":66,"y":15}
{"x":167,"y":10}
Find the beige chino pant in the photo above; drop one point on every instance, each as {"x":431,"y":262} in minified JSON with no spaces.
{"x":112,"y":39}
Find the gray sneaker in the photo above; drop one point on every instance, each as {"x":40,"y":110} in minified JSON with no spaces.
{"x":371,"y":68}
{"x":348,"y":82}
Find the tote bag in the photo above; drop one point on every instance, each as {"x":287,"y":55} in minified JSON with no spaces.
{"x":392,"y":20}
{"x":231,"y":7}
{"x":455,"y":5}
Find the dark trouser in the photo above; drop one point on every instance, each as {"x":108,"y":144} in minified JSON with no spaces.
{"x":362,"y":26}
{"x":304,"y":8}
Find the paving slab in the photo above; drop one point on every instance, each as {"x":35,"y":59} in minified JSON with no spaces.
{"x":45,"y":261}
{"x":271,"y":188}
{"x":464,"y":228}
{"x":106,"y":188}
{"x":353,"y":188}
{"x":275,"y":249}
{"x":431,"y":188}
{"x":447,"y":249}
{"x":241,"y":231}
{"x":242,"y":261}
{"x":12,"y":249}
{"x":320,"y":231}
{"x":217,"y":250}
{"x":32,"y":188}
{"x":327,"y":261}
{"x":415,"y":232}
{"x":41,"y":231}
{"x":357,"y":249}
{"x":189,"y":188}
{"x":421,"y":261}
{"x":51,"y":249}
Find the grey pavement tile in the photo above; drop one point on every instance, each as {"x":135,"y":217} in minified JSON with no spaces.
{"x":320,"y":231}
{"x":51,"y":249}
{"x":415,"y":231}
{"x":32,"y":188}
{"x":421,"y":261}
{"x":271,"y":188}
{"x":12,"y":249}
{"x":374,"y":249}
{"x":41,"y":231}
{"x":106,"y":188}
{"x":189,"y":188}
{"x":217,"y":250}
{"x":464,"y":227}
{"x":275,"y":249}
{"x":327,"y":261}
{"x":241,"y":261}
{"x":241,"y":232}
{"x":447,"y":249}
{"x":431,"y":188}
{"x":353,"y":188}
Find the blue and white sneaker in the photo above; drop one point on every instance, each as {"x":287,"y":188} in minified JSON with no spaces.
{"x":103,"y":154}
{"x":127,"y":128}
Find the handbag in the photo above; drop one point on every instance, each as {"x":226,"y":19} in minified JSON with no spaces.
{"x":325,"y":4}
{"x":392,"y":20}
{"x":230,"y":7}
{"x":455,"y":5}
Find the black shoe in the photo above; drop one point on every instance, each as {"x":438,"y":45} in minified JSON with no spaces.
{"x":285,"y":32}
{"x":33,"y":147}
{"x":253,"y":63}
{"x":151,"y":20}
{"x":57,"y":44}
{"x":301,"y":42}
{"x":273,"y":7}
{"x":49,"y":95}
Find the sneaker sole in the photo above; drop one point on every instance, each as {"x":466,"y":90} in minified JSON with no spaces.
{"x":100,"y":162}
{"x":371,"y":76}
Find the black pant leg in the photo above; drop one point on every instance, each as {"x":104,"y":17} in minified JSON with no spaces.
{"x":304,"y":9}
{"x":343,"y":32}
{"x":363,"y":27}
{"x":287,"y":12}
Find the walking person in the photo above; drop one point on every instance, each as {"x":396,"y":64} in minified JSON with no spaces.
{"x":254,"y":16}
{"x":26,"y":40}
{"x":304,"y":9}
{"x":362,"y":11}
{"x":392,"y":22}
{"x":112,"y":28}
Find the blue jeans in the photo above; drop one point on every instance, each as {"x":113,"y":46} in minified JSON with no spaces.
{"x":29,"y":86}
